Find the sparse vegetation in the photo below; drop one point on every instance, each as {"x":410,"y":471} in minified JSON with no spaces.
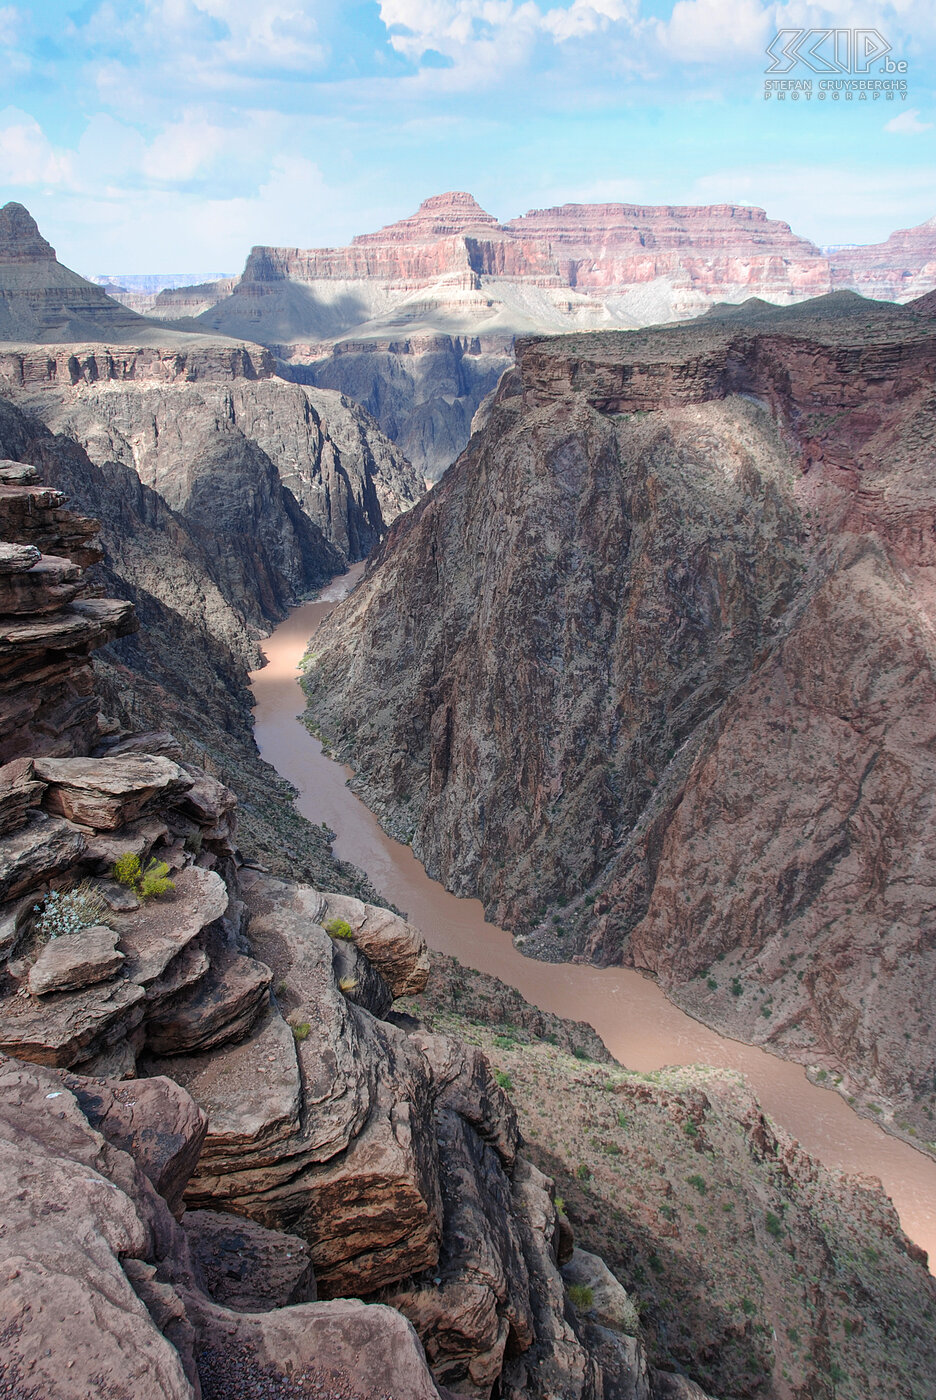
{"x":63,"y":913}
{"x":149,"y":881}
{"x":347,"y":984}
{"x":301,"y":1030}
{"x":504,"y":1080}
{"x":340,"y":928}
{"x":581,"y":1297}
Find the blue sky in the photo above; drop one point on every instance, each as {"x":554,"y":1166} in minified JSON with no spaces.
{"x":171,"y":135}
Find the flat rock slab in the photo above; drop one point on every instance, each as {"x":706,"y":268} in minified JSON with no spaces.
{"x":106,"y":793}
{"x":51,"y":583}
{"x":68,"y":1027}
{"x":76,"y":960}
{"x":396,"y":948}
{"x":251,"y":1093}
{"x":41,"y":850}
{"x":247,"y":1267}
{"x":156,"y":932}
{"x":17,"y":558}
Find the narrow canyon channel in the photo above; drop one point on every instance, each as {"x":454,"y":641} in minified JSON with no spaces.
{"x":639,"y":1025}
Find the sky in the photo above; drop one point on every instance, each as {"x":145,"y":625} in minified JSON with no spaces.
{"x":172,"y":135}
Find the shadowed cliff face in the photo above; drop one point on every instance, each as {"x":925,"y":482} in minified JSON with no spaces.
{"x":653,"y":673}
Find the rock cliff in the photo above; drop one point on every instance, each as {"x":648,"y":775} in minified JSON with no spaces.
{"x":651,"y":672}
{"x":388,"y":318}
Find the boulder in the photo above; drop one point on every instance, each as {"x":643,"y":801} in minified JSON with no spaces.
{"x":76,"y":960}
{"x":251,"y":1093}
{"x":77,"y":1216}
{"x":476,"y":1305}
{"x":611,"y":1306}
{"x":155,"y":1120}
{"x":61,"y":1030}
{"x":44,"y":848}
{"x":106,"y":793}
{"x":221,"y":1007}
{"x":464,"y":1083}
{"x":246,"y":1267}
{"x":358,"y":979}
{"x":343,"y":1348}
{"x":396,"y":948}
{"x":19,"y":790}
{"x":158,"y":931}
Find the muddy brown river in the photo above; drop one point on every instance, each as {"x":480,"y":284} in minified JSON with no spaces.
{"x":639,"y":1025}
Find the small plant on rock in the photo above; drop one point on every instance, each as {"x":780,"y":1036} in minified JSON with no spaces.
{"x":301,"y":1030}
{"x":147,"y":882}
{"x":348,"y":984}
{"x":581,"y":1296}
{"x":339,"y":928}
{"x":61,"y":914}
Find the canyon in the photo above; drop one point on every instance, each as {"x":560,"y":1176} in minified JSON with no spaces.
{"x":416,"y":321}
{"x":650,"y":673}
{"x":250,"y":1123}
{"x":249,"y":1148}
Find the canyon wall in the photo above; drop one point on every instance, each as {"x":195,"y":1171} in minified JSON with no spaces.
{"x":651,"y":672}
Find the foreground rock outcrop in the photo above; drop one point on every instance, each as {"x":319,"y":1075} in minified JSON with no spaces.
{"x":652,"y":673}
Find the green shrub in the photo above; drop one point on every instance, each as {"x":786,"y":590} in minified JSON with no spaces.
{"x":774,"y":1225}
{"x":301,"y":1030}
{"x":156,"y":880}
{"x":504,"y":1080}
{"x":583,"y":1171}
{"x":581,"y":1054}
{"x":339,"y":928}
{"x":126,"y":870}
{"x":581,"y":1296}
{"x":711,"y":984}
{"x":699,"y":1183}
{"x":147,"y":882}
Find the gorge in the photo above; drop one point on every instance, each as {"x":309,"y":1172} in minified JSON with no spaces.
{"x":263,"y":1135}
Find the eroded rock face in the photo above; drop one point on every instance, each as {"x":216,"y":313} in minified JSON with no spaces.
{"x":662,"y":662}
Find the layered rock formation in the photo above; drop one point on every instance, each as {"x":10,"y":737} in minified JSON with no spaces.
{"x":225,"y":1040}
{"x":655,"y":662}
{"x":415,"y":320}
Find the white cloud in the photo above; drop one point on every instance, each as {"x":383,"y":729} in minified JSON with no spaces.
{"x":908,"y":123}
{"x":705,"y":31}
{"x":9,"y":24}
{"x":26,"y":155}
{"x":185,"y":149}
